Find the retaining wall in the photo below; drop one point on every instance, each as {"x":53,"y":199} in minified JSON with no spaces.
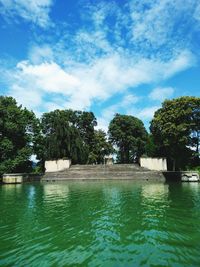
{"x":155,"y":164}
{"x":183,"y":176}
{"x":57,"y":165}
{"x":18,"y":178}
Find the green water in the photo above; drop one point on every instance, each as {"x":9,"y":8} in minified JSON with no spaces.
{"x":100,"y":224}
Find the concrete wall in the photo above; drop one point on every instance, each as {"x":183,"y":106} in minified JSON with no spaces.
{"x":14,"y":178}
{"x":57,"y":165}
{"x":190,"y":176}
{"x":18,"y":178}
{"x":182,"y":176}
{"x":157,"y":164}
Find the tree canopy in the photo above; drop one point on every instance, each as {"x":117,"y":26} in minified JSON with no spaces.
{"x":129,"y":135}
{"x":17,"y":136}
{"x":176,"y":130}
{"x":101,"y":148}
{"x":68,"y":134}
{"x":175,"y":134}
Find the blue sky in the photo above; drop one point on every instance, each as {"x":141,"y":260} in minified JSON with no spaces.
{"x":105,"y":56}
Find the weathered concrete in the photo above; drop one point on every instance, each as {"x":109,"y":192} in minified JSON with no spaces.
{"x":108,"y":160}
{"x":156,"y":164}
{"x":14,"y":178}
{"x":190,"y":177}
{"x":182,"y":176}
{"x":105,"y":172}
{"x":18,"y":178}
{"x":57,"y":165}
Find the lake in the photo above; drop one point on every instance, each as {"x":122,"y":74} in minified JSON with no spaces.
{"x":116,"y":223}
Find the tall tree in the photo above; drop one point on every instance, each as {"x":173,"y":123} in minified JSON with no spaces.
{"x":101,"y":148}
{"x":16,"y":136}
{"x":56,"y":130}
{"x":176,"y":130}
{"x":151,"y":149}
{"x":129,"y":135}
{"x":86,"y":122}
{"x":68,"y":134}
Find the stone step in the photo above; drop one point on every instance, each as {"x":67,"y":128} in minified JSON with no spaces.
{"x":93,"y":175}
{"x":93,"y":172}
{"x":109,"y":167}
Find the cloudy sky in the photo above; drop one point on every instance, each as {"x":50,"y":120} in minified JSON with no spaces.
{"x":123,"y":56}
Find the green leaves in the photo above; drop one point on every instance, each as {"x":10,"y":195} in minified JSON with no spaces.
{"x":16,"y":136}
{"x":129,"y":135}
{"x":69,"y":134}
{"x":100,"y":149}
{"x":175,"y":128}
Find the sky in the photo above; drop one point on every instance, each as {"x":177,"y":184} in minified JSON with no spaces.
{"x":121,"y":56}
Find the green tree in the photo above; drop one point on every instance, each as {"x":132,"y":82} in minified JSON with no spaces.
{"x":68,"y":134}
{"x":176,"y":130}
{"x":16,"y":136}
{"x":86,"y":122}
{"x":101,"y":148}
{"x":56,"y":130}
{"x":38,"y":142}
{"x":129,"y":135}
{"x":151,"y":150}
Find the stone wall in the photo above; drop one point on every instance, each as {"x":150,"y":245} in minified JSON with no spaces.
{"x":156,"y":164}
{"x":182,"y":176}
{"x":57,"y":165}
{"x":18,"y":178}
{"x":13,"y":178}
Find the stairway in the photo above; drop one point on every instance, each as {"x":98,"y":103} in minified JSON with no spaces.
{"x":103,"y":172}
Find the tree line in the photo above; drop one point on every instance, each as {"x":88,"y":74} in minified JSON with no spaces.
{"x":174,"y":133}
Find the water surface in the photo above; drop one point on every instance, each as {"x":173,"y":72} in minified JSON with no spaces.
{"x":100,"y":224}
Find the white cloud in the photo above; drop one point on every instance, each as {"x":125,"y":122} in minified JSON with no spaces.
{"x":38,"y":55}
{"x":102,"y":124}
{"x":31,"y":99}
{"x":129,"y":100}
{"x":149,"y":24}
{"x":78,"y":85}
{"x":155,"y":22}
{"x":129,"y":108}
{"x":96,"y":62}
{"x":35,"y":11}
{"x":108,"y":113}
{"x":184,"y":60}
{"x":197,"y":12}
{"x":48,"y":77}
{"x":147,"y":113}
{"x":161,"y":94}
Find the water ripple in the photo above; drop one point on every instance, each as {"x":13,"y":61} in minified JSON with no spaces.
{"x":100,"y":224}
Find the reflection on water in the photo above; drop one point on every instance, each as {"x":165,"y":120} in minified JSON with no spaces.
{"x":54,"y":190}
{"x":156,"y":190}
{"x":120,"y":223}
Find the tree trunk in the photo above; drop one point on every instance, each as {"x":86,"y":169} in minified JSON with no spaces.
{"x":174,"y":165}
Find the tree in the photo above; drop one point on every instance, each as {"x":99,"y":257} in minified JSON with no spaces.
{"x":151,"y":150}
{"x":16,"y":136}
{"x":101,"y":148}
{"x":129,"y":135}
{"x":68,"y":134}
{"x":176,"y":130}
{"x":86,"y":122}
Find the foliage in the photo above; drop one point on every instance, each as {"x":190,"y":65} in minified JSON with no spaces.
{"x":101,"y":148}
{"x":16,"y":136}
{"x":175,"y":134}
{"x":151,"y":150}
{"x":176,"y":130}
{"x":197,"y":169}
{"x":128,"y":134}
{"x":69,"y":134}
